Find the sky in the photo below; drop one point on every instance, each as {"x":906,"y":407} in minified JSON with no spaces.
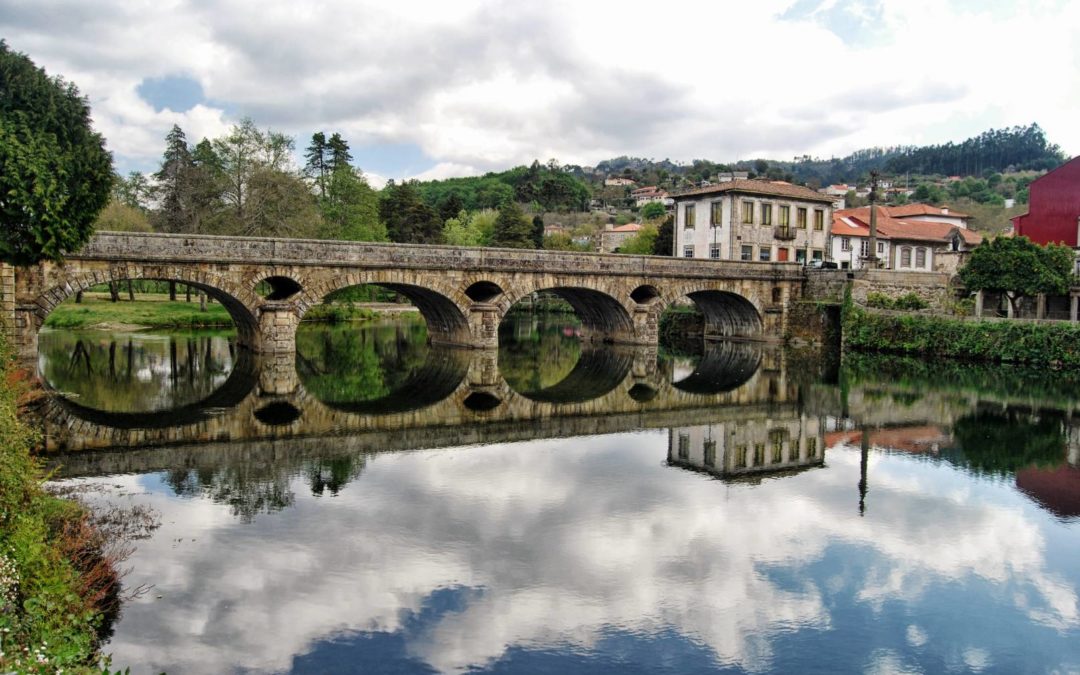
{"x":433,"y":89}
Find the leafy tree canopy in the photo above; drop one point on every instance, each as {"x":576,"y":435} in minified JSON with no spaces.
{"x":55,"y":174}
{"x":1016,"y":266}
{"x":512,"y":230}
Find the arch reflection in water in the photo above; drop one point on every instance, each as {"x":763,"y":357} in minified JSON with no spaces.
{"x":379,"y":369}
{"x":140,"y":380}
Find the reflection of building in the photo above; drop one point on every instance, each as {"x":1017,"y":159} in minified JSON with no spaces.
{"x":748,"y":447}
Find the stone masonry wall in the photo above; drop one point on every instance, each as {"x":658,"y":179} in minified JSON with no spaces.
{"x":7,"y":300}
{"x":932,"y":287}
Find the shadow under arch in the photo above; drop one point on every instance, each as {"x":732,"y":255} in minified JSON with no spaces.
{"x":441,"y":374}
{"x":727,"y":315}
{"x":597,"y":372}
{"x":725,"y":366}
{"x":238,"y":386}
{"x":602,"y":317}
{"x":247,"y":326}
{"x":446,"y":322}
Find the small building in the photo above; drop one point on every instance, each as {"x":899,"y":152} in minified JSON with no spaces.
{"x":614,"y":237}
{"x":1053,"y":207}
{"x":615,"y":181}
{"x":907,"y":244}
{"x":749,"y":449}
{"x":651,"y":193}
{"x":752,"y":220}
{"x":928,"y":213}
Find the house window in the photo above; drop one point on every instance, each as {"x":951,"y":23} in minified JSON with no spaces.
{"x":765,"y":254}
{"x":688,"y":215}
{"x":845,"y":243}
{"x":746,"y":253}
{"x":785,"y":216}
{"x":800,"y":256}
{"x":811,"y":448}
{"x":817,"y":254}
{"x":920,"y":257}
{"x":688,"y":251}
{"x":766,"y":214}
{"x":748,"y":212}
{"x":716,"y":214}
{"x":740,"y":456}
{"x":864,"y":247}
{"x":710,"y":453}
{"x":714,"y":251}
{"x":880,"y":247}
{"x":684,"y":446}
{"x":759,"y":454}
{"x":819,"y":220}
{"x":905,"y":256}
{"x":800,"y":217}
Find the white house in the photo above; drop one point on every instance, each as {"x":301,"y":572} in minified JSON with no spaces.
{"x":752,"y":220}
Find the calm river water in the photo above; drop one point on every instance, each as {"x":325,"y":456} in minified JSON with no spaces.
{"x":382,"y":506}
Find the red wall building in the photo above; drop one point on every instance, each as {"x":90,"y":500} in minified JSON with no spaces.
{"x":1053,"y":207}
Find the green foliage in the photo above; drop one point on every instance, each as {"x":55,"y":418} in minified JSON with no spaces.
{"x":1002,"y":442}
{"x":550,"y":186}
{"x":642,"y":243}
{"x":55,"y":174}
{"x":1016,"y":266}
{"x":120,"y":217}
{"x":560,"y":241}
{"x":350,"y":208}
{"x":408,"y":219}
{"x":908,"y":301}
{"x":664,"y":244}
{"x":1008,"y":341}
{"x":653,"y":211}
{"x":471,"y":229}
{"x":340,"y":312}
{"x":45,"y":622}
{"x":512,"y":229}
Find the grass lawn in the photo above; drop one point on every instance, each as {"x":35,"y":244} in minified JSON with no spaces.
{"x":153,"y":310}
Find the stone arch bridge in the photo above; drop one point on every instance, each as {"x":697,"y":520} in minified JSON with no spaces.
{"x":463,"y":293}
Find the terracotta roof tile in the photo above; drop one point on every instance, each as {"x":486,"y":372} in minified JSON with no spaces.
{"x":908,"y":210}
{"x":758,"y":187}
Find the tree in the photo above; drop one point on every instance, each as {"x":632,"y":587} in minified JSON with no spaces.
{"x":317,"y":155}
{"x":512,"y":229}
{"x":339,"y":152}
{"x":470,"y":229}
{"x":1016,"y":266}
{"x":538,"y":230}
{"x":664,"y":244}
{"x":408,"y":219}
{"x":653,"y":211}
{"x":642,"y":243}
{"x":451,"y":206}
{"x":350,"y":209}
{"x":120,"y":217}
{"x":55,"y":174}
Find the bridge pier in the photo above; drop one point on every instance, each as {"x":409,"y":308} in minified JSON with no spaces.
{"x":277,"y":328}
{"x":484,"y":319}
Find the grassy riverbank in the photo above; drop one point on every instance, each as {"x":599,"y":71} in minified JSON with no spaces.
{"x":1053,"y":344}
{"x":148,"y":310}
{"x":56,"y":579}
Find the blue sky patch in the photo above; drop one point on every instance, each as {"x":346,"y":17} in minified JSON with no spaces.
{"x":174,"y":92}
{"x":392,"y":160}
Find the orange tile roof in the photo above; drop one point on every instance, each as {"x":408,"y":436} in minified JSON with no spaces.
{"x":856,"y":223}
{"x":758,"y":187}
{"x":629,"y":227}
{"x":908,"y":210}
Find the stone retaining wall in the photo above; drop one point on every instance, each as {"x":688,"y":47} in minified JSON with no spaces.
{"x":933,"y":287}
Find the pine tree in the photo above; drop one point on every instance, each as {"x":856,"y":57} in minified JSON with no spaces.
{"x":538,"y":231}
{"x":316,"y":167}
{"x":172,"y":180}
{"x":512,"y":229}
{"x":339,"y":152}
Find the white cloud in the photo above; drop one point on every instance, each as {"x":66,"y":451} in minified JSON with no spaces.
{"x":579,"y":542}
{"x":492,"y":83}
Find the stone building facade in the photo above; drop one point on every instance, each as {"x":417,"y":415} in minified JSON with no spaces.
{"x":752,"y":221}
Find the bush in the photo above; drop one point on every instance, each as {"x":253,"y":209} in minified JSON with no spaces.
{"x":907,"y":302}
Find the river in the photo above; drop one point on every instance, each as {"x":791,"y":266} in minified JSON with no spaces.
{"x":379,"y":505}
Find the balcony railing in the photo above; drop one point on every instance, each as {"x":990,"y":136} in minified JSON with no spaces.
{"x":784,"y":232}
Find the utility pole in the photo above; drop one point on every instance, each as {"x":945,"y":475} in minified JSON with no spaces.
{"x":870,"y":260}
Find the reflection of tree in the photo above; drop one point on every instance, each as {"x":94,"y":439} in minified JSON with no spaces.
{"x":133,"y":373}
{"x":346,"y":364}
{"x":333,"y":474}
{"x":531,"y":360}
{"x":248,"y":488}
{"x":1002,"y":442}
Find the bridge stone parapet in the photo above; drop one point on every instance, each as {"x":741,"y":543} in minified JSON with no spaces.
{"x":463,"y":293}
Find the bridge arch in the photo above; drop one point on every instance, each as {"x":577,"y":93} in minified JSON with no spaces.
{"x":443,"y":306}
{"x":730,"y":310}
{"x":603,"y":316}
{"x":238,"y":302}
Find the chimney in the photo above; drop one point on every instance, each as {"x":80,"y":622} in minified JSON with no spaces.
{"x":944,"y":210}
